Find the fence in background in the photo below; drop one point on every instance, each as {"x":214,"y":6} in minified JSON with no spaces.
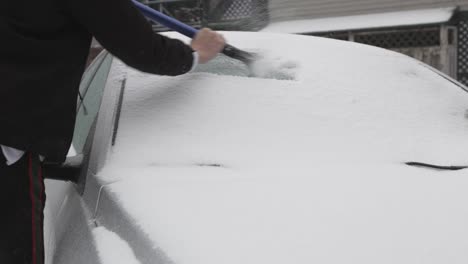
{"x":462,"y":25}
{"x":435,"y":45}
{"x":246,"y":15}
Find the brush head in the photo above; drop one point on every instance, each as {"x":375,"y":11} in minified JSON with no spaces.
{"x":235,"y":53}
{"x":261,"y":65}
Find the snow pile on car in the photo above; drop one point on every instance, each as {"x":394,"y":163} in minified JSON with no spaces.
{"x":229,"y":169}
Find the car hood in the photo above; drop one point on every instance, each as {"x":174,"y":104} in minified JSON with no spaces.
{"x":303,"y":163}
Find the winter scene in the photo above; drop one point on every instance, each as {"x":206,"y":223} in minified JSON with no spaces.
{"x":234,"y":131}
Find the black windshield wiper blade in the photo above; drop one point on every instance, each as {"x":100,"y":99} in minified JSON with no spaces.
{"x":437,"y":167}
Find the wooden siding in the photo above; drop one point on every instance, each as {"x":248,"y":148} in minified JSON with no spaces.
{"x":281,"y":10}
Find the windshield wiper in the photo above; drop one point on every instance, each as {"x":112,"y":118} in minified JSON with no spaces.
{"x":436,"y":167}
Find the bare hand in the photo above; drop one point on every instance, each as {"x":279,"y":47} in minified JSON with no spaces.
{"x":208,"y":44}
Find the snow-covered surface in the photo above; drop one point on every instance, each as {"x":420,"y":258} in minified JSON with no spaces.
{"x":112,"y":249}
{"x":56,"y":193}
{"x":67,"y":236}
{"x":380,"y":20}
{"x":71,"y":152}
{"x":71,"y":241}
{"x":225,"y":169}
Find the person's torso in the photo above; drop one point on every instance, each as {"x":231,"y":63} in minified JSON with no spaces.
{"x":42,"y":58}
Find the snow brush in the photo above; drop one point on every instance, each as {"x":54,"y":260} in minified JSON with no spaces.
{"x":184,"y":29}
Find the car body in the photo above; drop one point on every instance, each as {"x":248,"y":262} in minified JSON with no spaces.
{"x":301,"y":158}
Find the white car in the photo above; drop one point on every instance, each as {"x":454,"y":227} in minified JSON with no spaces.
{"x":322,"y":152}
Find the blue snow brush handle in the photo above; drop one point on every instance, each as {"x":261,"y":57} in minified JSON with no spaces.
{"x":184,"y":29}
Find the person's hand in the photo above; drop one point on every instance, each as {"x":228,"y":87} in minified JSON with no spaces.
{"x":207,"y":44}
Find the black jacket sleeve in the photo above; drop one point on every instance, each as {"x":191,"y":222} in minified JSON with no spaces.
{"x":125,"y":33}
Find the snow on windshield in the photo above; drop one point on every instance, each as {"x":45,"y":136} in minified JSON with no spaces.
{"x":265,"y":66}
{"x":232,"y":169}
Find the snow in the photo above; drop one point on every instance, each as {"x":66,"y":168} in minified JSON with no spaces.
{"x":228,"y":169}
{"x":56,"y":194}
{"x":72,"y":152}
{"x":369,"y":21}
{"x":112,"y":249}
{"x":67,"y":226}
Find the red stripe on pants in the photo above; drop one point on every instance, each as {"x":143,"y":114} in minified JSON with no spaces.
{"x":33,"y":213}
{"x":41,"y":199}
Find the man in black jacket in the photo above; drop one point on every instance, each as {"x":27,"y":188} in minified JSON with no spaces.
{"x":43,"y":50}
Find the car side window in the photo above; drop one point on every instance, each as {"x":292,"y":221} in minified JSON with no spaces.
{"x":91,"y":90}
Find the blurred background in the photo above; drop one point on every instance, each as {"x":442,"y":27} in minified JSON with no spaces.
{"x":432,"y":31}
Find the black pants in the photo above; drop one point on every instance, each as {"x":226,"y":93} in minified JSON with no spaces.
{"x":22,"y":199}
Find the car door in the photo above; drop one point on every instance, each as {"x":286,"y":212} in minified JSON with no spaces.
{"x":68,"y":231}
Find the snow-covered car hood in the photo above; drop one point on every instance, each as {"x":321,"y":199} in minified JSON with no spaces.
{"x":226,"y":169}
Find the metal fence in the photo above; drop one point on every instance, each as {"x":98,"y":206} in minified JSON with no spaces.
{"x":240,"y":9}
{"x":393,"y":38}
{"x":435,"y":45}
{"x":396,"y":39}
{"x":248,"y":15}
{"x":462,"y":20}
